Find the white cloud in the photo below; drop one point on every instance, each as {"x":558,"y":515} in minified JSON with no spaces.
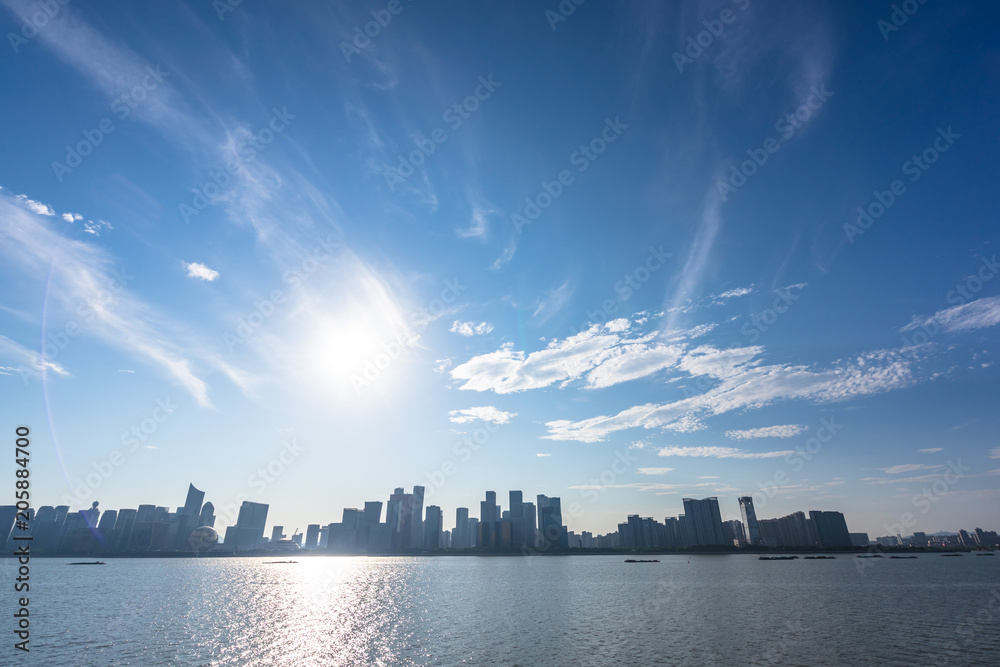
{"x":542,"y":455}
{"x":995,"y":453}
{"x":739,"y":291}
{"x":605,"y":353}
{"x":786,"y":431}
{"x":654,"y":471}
{"x":36,"y":207}
{"x":30,"y":363}
{"x":743,"y":383}
{"x":470,"y":328}
{"x":196,"y":270}
{"x":479,"y":226}
{"x":71,"y":217}
{"x":96,"y":228}
{"x":486,"y":413}
{"x":82,"y":275}
{"x":931,"y":450}
{"x":977,"y":314}
{"x":721,"y":453}
{"x":907,"y":467}
{"x":552,"y":303}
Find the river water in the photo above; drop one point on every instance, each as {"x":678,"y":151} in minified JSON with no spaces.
{"x":542,"y":610}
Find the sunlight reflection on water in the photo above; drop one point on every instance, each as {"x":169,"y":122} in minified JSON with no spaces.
{"x":592,"y":610}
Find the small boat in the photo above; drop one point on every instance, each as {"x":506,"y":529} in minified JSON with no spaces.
{"x":94,"y":562}
{"x":950,"y":555}
{"x":777,"y":558}
{"x":279,"y":562}
{"x":872,"y":556}
{"x":820,"y":557}
{"x":985,"y":553}
{"x":629,"y":560}
{"x":901,"y":557}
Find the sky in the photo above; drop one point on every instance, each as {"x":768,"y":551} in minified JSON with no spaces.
{"x":619,"y":254}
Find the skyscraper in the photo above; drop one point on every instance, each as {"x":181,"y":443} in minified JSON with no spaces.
{"x":312,"y":536}
{"x":207,"y":517}
{"x":249,"y":529}
{"x":831,"y":528}
{"x":551,"y":533}
{"x":460,"y":536}
{"x":488,"y":516}
{"x":704,"y":521}
{"x":432,"y":527}
{"x":517,"y":518}
{"x":192,"y":506}
{"x":750,"y":521}
{"x":416,"y":518}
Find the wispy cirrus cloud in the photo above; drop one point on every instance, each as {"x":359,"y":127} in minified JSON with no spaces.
{"x":744,"y":383}
{"x":785,"y":431}
{"x":82,"y":275}
{"x":908,"y":467}
{"x":931,"y":450}
{"x":654,"y":471}
{"x":978,"y":314}
{"x":721,"y":453}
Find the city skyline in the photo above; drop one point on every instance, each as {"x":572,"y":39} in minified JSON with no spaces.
{"x":649,"y":254}
{"x":523,"y":527}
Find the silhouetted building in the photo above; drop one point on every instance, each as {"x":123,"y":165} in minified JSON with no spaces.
{"x":750,"y":521}
{"x":831,"y":528}
{"x":460,"y":536}
{"x":705,"y":521}
{"x":312,"y":536}
{"x":192,"y":506}
{"x":551,"y":532}
{"x":433,"y":528}
{"x":489,"y":514}
{"x":248,"y":533}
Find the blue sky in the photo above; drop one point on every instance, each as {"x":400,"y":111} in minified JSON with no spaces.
{"x":642,"y":253}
